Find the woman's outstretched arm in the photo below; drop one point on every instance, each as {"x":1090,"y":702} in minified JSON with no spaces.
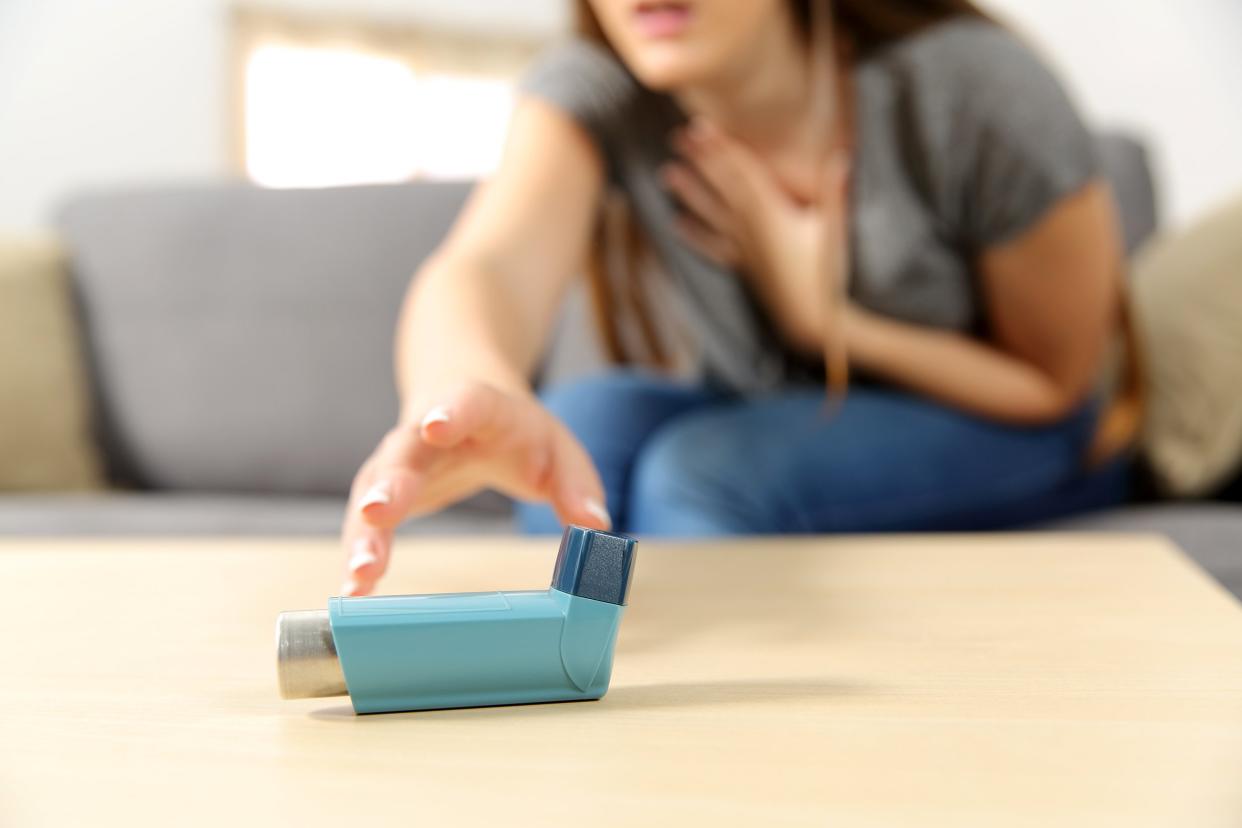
{"x":483,"y":305}
{"x":473,"y":324}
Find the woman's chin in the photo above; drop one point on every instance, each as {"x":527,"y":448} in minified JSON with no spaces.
{"x":667,"y":73}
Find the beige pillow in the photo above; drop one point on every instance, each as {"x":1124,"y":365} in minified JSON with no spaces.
{"x":1188,"y":297}
{"x":45,"y":441}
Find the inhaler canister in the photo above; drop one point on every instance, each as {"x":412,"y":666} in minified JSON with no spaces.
{"x":307,"y":666}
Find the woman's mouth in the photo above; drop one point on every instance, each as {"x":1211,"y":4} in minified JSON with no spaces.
{"x":662,"y":18}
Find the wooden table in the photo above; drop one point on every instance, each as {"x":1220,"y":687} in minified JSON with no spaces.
{"x":1044,"y":680}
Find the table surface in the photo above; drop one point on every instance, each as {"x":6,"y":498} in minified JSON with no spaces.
{"x":999,"y":681}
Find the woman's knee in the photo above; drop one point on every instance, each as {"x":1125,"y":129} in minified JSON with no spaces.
{"x":690,"y":480}
{"x":613,"y":417}
{"x":622,"y":401}
{"x":588,"y":397}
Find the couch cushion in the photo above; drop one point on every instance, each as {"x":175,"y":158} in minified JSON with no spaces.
{"x":241,"y":338}
{"x":1208,"y":532}
{"x":1188,"y":301}
{"x":45,"y":439}
{"x":119,"y":514}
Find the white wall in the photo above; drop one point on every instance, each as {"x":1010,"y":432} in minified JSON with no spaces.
{"x":95,"y":92}
{"x":1171,"y":71}
{"x":101,"y":91}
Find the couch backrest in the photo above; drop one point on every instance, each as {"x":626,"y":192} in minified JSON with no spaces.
{"x":240,"y":339}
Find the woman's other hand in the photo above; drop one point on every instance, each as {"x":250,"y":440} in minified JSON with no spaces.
{"x":738,"y":214}
{"x":473,"y":438}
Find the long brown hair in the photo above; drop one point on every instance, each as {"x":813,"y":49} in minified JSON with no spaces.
{"x":618,"y":244}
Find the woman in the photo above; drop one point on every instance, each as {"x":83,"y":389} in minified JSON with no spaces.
{"x":961,"y":188}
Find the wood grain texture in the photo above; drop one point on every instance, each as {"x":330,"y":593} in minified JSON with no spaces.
{"x":1042,"y":680}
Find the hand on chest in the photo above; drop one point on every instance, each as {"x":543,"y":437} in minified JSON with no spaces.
{"x":779,"y":221}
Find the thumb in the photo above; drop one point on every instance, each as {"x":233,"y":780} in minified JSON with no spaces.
{"x":576,"y":495}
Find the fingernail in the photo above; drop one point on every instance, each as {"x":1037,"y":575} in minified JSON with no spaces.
{"x":377,"y":494}
{"x":439,"y":414}
{"x":349,"y":588}
{"x":598,"y":512}
{"x":363,"y":555}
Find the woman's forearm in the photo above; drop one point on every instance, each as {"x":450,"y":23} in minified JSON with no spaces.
{"x":458,"y":324}
{"x":955,"y":369}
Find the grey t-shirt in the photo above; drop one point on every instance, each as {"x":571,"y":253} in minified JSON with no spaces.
{"x":963,"y":140}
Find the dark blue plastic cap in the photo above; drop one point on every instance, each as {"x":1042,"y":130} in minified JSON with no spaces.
{"x":594,"y":564}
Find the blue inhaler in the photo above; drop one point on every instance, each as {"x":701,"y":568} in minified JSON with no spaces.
{"x":422,"y":652}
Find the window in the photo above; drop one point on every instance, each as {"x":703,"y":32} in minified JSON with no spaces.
{"x":324,"y":103}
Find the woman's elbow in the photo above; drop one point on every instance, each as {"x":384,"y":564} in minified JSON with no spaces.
{"x":1057,"y":402}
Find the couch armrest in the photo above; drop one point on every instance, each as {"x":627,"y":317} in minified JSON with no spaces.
{"x":45,"y":440}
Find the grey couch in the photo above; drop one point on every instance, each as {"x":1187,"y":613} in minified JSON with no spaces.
{"x":239,"y":348}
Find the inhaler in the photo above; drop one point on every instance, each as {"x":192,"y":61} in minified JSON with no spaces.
{"x":470,"y":649}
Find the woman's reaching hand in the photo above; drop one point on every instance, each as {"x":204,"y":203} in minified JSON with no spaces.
{"x":473,"y":438}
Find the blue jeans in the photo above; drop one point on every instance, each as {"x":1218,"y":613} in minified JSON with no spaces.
{"x":686,"y":461}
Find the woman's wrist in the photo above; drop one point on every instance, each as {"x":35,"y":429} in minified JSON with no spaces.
{"x":423,"y":397}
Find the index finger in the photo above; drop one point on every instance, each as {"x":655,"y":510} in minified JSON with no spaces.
{"x":399,"y":466}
